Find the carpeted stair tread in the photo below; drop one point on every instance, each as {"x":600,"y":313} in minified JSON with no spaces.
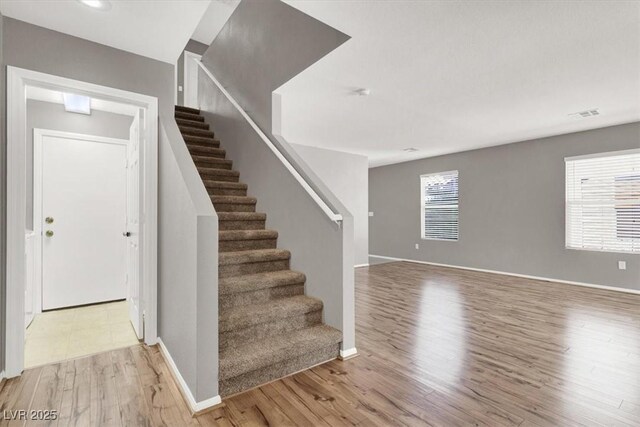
{"x":242,"y":216}
{"x":224,"y":184}
{"x":219,"y":173}
{"x":257,"y":255}
{"x":187,"y":109}
{"x":247,"y":234}
{"x":196,"y":132}
{"x":258,"y":354}
{"x":213,"y":162}
{"x":192,"y":124}
{"x":200,"y":141}
{"x":234,"y":200}
{"x":256,"y":282}
{"x":188,"y":116}
{"x":250,"y":315}
{"x":201,"y":150}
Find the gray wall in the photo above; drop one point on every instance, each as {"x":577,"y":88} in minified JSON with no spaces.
{"x":39,"y":49}
{"x":512,"y":215}
{"x":264,"y":44}
{"x":347,"y":176}
{"x":47,"y":115}
{"x":193,"y":47}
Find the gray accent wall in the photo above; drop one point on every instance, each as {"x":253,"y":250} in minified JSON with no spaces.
{"x":347,"y":176}
{"x":192,"y":46}
{"x":39,"y":49}
{"x":51,"y":116}
{"x":512,"y":213}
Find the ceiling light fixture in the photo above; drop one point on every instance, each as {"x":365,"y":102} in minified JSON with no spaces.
{"x":363,"y":91}
{"x":77,"y":103}
{"x":586,"y":113}
{"x":96,"y":4}
{"x":410,"y":150}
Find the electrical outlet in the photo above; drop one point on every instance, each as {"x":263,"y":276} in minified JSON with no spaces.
{"x":370,"y":213}
{"x":417,"y":245}
{"x":622,"y":265}
{"x":179,"y":88}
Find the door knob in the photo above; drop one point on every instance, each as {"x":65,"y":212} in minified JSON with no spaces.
{"x":48,"y":220}
{"x":126,"y":234}
{"x":48,"y":233}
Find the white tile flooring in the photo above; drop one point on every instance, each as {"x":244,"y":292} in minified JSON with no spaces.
{"x":69,"y":333}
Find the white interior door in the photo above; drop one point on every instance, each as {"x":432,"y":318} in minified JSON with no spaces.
{"x":82,"y":219}
{"x":191,"y":79}
{"x":132,"y":233}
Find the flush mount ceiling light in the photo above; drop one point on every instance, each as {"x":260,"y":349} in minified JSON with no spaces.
{"x":362,"y":91}
{"x":96,"y":4}
{"x":410,"y":150}
{"x":77,"y":103}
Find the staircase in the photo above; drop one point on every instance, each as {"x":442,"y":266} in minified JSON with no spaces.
{"x":268,"y":327}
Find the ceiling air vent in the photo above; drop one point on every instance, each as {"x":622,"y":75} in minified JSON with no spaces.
{"x":586,"y":113}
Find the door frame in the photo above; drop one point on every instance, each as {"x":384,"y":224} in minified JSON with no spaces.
{"x":38,"y":135}
{"x":187,"y":55}
{"x":17,"y":81}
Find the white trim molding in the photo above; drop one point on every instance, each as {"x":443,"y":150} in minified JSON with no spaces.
{"x":18,"y":80}
{"x":348,"y":353}
{"x":524,"y":276}
{"x":194,"y":406}
{"x":361,"y":265}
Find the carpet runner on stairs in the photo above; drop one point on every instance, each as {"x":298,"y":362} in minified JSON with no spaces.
{"x":268,"y":327}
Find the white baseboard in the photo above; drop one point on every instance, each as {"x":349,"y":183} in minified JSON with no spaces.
{"x":186,"y":393}
{"x":525,"y":276}
{"x":1,"y":375}
{"x":348,"y":353}
{"x":361,"y":265}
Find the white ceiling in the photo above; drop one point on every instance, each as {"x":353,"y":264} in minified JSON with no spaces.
{"x":155,"y":29}
{"x":455,"y":76}
{"x":54,"y":96}
{"x":214,"y":19}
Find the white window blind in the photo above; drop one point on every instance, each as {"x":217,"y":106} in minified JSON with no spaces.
{"x":603,"y":202}
{"x":439,"y":200}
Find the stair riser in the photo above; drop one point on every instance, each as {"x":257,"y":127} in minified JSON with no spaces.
{"x":246,"y":245}
{"x":180,"y":108}
{"x":196,"y":132}
{"x":196,"y":150}
{"x":192,"y":124}
{"x":227,"y":191}
{"x":213,"y":176}
{"x":260,"y":296}
{"x":241,"y":225}
{"x":188,"y":116}
{"x":238,"y":337}
{"x":267,"y":374}
{"x":234,"y":207}
{"x":201,"y":142}
{"x":213,"y":163}
{"x":252,"y":268}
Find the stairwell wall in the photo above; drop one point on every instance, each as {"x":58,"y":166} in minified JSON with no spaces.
{"x":263,"y":45}
{"x":39,"y":49}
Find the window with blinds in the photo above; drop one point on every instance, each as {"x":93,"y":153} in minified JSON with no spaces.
{"x":440,"y":205}
{"x":603,"y":202}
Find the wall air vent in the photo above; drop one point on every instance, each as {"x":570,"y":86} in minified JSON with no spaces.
{"x":586,"y":113}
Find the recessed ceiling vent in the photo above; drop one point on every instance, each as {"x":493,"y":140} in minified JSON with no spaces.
{"x":586,"y":113}
{"x":410,"y":150}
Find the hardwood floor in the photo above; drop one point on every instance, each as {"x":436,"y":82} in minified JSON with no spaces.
{"x":437,"y":346}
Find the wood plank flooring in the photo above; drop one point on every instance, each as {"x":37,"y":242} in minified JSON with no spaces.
{"x":437,"y":346}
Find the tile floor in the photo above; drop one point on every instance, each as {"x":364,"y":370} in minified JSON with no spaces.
{"x":74,"y":332}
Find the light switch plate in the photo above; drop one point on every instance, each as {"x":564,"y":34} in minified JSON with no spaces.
{"x":417,"y":246}
{"x":370,"y":213}
{"x":622,"y":265}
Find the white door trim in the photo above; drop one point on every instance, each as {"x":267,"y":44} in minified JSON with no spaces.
{"x":38,"y":134}
{"x":185,"y":84}
{"x":17,"y":81}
